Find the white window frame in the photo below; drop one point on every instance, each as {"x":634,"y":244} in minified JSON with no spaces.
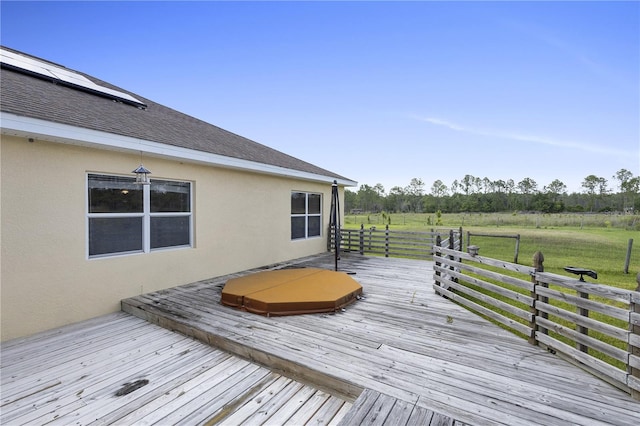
{"x":146,"y":215}
{"x":307,"y":215}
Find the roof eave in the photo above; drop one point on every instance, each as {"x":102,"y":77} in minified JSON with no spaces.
{"x":28,"y":127}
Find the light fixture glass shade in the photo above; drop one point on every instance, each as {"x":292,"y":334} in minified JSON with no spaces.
{"x":142,"y":175}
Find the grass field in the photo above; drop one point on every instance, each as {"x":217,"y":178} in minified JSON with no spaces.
{"x":422,"y":221}
{"x":598,"y":241}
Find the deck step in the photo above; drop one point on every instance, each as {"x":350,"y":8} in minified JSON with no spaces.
{"x":375,"y":408}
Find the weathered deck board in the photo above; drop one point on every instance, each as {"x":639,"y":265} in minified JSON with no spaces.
{"x":373,"y":408}
{"x":405,"y":343}
{"x":71,"y":375}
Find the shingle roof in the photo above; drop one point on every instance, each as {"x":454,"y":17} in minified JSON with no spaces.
{"x":33,"y":97}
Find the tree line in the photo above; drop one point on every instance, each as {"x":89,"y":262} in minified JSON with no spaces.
{"x":475,"y":194}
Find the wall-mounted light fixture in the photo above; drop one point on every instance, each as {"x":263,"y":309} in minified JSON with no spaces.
{"x":142,"y":175}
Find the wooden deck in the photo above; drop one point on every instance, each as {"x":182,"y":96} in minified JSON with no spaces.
{"x":78,"y":375}
{"x":416,"y":354}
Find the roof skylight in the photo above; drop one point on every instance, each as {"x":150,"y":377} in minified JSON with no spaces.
{"x":62,"y":76}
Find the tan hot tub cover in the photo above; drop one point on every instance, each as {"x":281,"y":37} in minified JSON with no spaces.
{"x":291,"y":291}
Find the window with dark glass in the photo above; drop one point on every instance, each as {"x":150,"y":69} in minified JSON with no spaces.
{"x":124,"y":217}
{"x":113,"y":194}
{"x":306,"y":216}
{"x":170,"y":213}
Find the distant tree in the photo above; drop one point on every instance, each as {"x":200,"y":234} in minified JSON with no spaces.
{"x":623,"y":176}
{"x":543,"y":202}
{"x":438,"y":189}
{"x":475,"y":194}
{"x":555,"y":188}
{"x":510,"y":186}
{"x":629,"y":187}
{"x":487,"y":185}
{"x":603,"y":192}
{"x":395,"y":200}
{"x":368,"y":199}
{"x":478,"y":184}
{"x":633,"y":185}
{"x":434,"y":201}
{"x":396,"y":190}
{"x":455,"y":186}
{"x":415,"y":191}
{"x":595,"y":187}
{"x":527,"y":188}
{"x":497,"y":197}
{"x":416,"y":187}
{"x":603,"y":186}
{"x":379,"y":189}
{"x":590,"y":183}
{"x":470,"y":186}
{"x":350,"y":200}
{"x":467,"y":183}
{"x":633,"y":189}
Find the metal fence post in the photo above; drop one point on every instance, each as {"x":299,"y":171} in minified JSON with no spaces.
{"x":437,"y":256}
{"x":386,"y":241}
{"x":362,"y":238}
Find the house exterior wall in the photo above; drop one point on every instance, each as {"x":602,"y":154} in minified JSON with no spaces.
{"x":241,"y":221}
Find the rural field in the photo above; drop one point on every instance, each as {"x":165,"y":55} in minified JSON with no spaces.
{"x":594,"y":241}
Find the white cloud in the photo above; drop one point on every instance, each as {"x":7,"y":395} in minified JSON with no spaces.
{"x":596,"y":149}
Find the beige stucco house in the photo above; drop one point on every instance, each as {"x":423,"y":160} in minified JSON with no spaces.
{"x":78,"y":233}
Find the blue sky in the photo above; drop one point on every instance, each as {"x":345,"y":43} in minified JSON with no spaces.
{"x":380,"y":92}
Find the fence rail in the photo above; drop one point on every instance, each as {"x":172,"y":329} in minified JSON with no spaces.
{"x":391,"y":243}
{"x":515,"y":237}
{"x":594,"y":325}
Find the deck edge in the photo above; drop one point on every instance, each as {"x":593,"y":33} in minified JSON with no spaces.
{"x":323,"y":381}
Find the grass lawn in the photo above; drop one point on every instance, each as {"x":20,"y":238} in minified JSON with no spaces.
{"x":598,"y":242}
